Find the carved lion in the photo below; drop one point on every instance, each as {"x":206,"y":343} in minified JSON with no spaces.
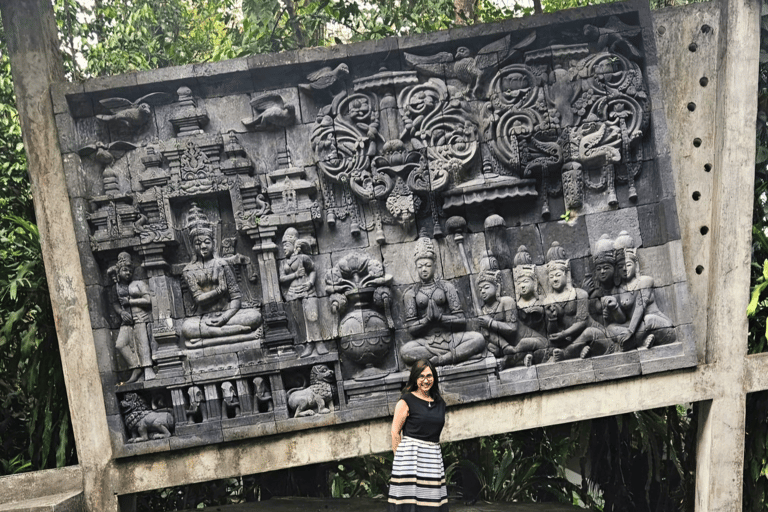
{"x":319,"y":395}
{"x":140,"y":420}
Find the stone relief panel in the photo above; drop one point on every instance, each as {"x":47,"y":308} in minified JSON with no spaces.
{"x":274,"y":255}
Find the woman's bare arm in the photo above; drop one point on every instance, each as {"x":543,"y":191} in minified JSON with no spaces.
{"x":401,"y":413}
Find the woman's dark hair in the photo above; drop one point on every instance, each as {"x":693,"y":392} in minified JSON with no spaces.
{"x":416,"y":370}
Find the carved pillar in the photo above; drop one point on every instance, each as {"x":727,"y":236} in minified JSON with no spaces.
{"x":278,"y":338}
{"x":244,"y":395}
{"x":165,"y":348}
{"x":179,"y":406}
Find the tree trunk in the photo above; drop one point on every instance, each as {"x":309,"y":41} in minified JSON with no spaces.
{"x":465,"y":11}
{"x":295,"y":24}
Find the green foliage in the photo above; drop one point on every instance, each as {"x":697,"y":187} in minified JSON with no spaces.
{"x":526,"y":466}
{"x":118,"y":37}
{"x":755,"y":491}
{"x":31,"y":371}
{"x":366,"y":476}
{"x":645,"y":460}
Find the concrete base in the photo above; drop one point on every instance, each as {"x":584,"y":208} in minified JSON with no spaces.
{"x":72,"y":501}
{"x":373,"y":505}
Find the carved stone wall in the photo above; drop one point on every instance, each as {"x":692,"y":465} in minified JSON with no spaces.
{"x":271,"y":242}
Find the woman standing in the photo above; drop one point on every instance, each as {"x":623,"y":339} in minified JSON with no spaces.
{"x":418,"y":475}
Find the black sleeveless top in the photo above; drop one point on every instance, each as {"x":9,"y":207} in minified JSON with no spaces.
{"x":424,"y":422}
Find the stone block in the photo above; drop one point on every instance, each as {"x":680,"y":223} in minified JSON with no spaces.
{"x":516,"y":381}
{"x":230,"y":111}
{"x":301,"y":152}
{"x":655,"y":221}
{"x":612,"y":223}
{"x":648,"y":187}
{"x":562,"y":374}
{"x":340,"y":236}
{"x":207,"y":368}
{"x":424,"y":44}
{"x":98,"y":307}
{"x":317,"y":420}
{"x":59,"y":93}
{"x":663,"y":358}
{"x":79,"y":209}
{"x":674,"y":301}
{"x":616,"y":366}
{"x":572,"y":235}
{"x":664,"y":263}
{"x":321,"y":56}
{"x":65,"y":127}
{"x":74,"y":175}
{"x":667,"y":175}
{"x":108,"y":383}
{"x":196,"y":435}
{"x":363,"y":412}
{"x":103,"y":340}
{"x":452,"y":258}
{"x":260,"y":425}
{"x":468,"y":381}
{"x":226,"y":77}
{"x":530,"y":237}
{"x":387,"y":45}
{"x":167,"y":79}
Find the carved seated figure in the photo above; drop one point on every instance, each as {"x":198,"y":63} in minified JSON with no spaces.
{"x":635,"y":302}
{"x":213,"y":285}
{"x":604,"y":260}
{"x":567,"y":313}
{"x":603,"y":302}
{"x":530,"y":310}
{"x":434,"y":317}
{"x":506,"y":337}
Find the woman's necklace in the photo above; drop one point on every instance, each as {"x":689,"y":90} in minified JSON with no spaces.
{"x":425,"y":397}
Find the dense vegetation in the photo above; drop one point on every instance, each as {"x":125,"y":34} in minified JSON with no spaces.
{"x":638,"y":461}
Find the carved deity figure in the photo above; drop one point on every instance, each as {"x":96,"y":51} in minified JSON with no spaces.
{"x":134,"y":305}
{"x":634,"y":303}
{"x":217,"y":296}
{"x":567,"y":313}
{"x":530,"y":310}
{"x":433,"y":316}
{"x":605,"y":279}
{"x":505,"y":335}
{"x":298,"y":272}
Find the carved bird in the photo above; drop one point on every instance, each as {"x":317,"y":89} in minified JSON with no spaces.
{"x":105,"y":154}
{"x":272,"y":111}
{"x":601,"y":146}
{"x":132,"y":114}
{"x":612,"y":36}
{"x":553,"y":155}
{"x":470,"y":70}
{"x":325,"y":79}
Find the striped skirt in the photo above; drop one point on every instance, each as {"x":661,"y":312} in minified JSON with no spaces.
{"x":418,"y":478}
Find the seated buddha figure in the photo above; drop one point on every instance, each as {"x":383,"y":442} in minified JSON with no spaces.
{"x":566,"y":308}
{"x":433,"y":316}
{"x":216,"y":294}
{"x":635,"y":303}
{"x":507,"y":338}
